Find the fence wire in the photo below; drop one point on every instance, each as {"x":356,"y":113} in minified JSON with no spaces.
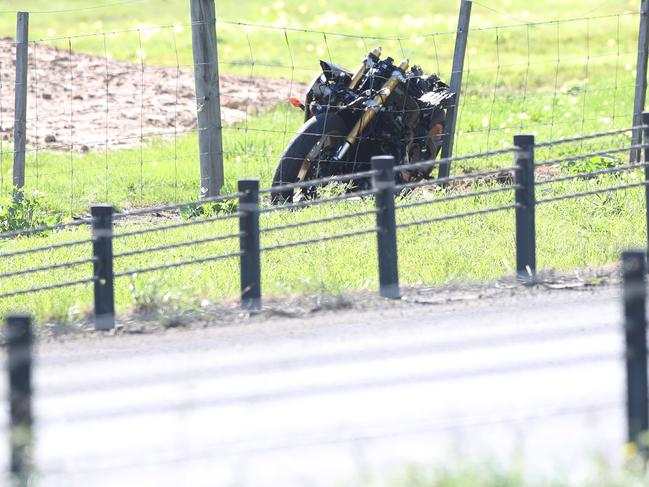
{"x":557,"y":76}
{"x":48,"y":287}
{"x":85,"y":107}
{"x":173,"y":265}
{"x":592,"y":192}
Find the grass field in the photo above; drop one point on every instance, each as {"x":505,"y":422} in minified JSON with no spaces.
{"x":551,"y":79}
{"x":164,"y":171}
{"x":381,"y":18}
{"x":554,"y":79}
{"x":572,"y":234}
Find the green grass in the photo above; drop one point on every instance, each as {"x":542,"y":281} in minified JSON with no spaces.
{"x":572,"y":234}
{"x":381,"y":18}
{"x":514,"y":83}
{"x":159,"y":172}
{"x":164,"y":170}
{"x":553,"y":80}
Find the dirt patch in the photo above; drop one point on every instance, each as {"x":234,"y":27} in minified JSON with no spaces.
{"x":83,"y":102}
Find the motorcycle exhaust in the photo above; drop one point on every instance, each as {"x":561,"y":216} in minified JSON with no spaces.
{"x":373,"y":107}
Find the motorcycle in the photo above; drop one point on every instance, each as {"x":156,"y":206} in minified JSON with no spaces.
{"x":349,"y":117}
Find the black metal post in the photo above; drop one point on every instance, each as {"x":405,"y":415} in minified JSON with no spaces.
{"x":102,"y":251}
{"x":645,"y":142}
{"x":386,"y":236}
{"x":19,"y":349}
{"x":634,"y":269}
{"x":249,"y":244}
{"x":525,"y":211}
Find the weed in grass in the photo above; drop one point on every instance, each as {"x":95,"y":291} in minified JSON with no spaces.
{"x":146,"y":294}
{"x":209,"y":209}
{"x":595,"y":163}
{"x":150,"y":299}
{"x":25,"y":210}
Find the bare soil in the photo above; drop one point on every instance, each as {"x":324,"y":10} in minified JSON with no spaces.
{"x":82,"y":102}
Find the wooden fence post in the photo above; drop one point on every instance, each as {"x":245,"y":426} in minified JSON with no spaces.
{"x":208,"y":97}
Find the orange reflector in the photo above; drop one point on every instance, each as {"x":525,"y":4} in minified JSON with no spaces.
{"x":296,"y":103}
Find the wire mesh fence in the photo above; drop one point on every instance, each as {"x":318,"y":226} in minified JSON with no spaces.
{"x":236,"y":236}
{"x":109,"y":119}
{"x":124,"y":132}
{"x":555,"y":79}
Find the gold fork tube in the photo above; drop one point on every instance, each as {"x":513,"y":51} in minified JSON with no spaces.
{"x":378,"y":102}
{"x":364,"y":68}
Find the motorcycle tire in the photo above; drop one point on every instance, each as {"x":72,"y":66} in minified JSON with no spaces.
{"x":330,"y":127}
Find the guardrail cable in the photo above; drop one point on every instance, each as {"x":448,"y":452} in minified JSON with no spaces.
{"x":458,"y":196}
{"x":463,"y":177}
{"x":593,"y":192}
{"x":45,"y":248}
{"x":177,"y":264}
{"x":552,"y":162}
{"x":598,"y":135}
{"x":319,"y":240}
{"x":314,"y":182}
{"x":48,"y":287}
{"x":198,"y":221}
{"x":64,"y":265}
{"x":178,"y":245}
{"x":46,"y":228}
{"x":610,"y":170}
{"x":428,"y":164}
{"x":459,"y":215}
{"x":176,"y":206}
{"x":323,"y":201}
{"x":322,"y":220}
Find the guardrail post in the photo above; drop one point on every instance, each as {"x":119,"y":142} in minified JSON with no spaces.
{"x":20,"y":124}
{"x":386,"y":235}
{"x":19,"y":350}
{"x":102,"y":251}
{"x":640,"y":78}
{"x":645,"y":142}
{"x":525,"y":211}
{"x":635,"y":328}
{"x":249,"y":244}
{"x":208,"y":97}
{"x":461,"y":40}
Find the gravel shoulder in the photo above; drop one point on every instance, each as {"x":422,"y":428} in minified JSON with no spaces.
{"x":292,"y":314}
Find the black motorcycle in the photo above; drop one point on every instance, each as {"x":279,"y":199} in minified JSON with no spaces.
{"x":351,"y":117}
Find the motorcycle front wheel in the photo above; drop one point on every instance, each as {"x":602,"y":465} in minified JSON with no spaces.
{"x":321,"y":134}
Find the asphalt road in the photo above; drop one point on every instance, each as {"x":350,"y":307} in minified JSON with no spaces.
{"x":346,"y":398}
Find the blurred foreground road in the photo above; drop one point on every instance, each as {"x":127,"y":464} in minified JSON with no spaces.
{"x":340,"y":398}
